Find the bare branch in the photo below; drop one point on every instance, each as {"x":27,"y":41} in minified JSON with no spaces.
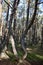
{"x":33,"y":18}
{"x":7,"y":3}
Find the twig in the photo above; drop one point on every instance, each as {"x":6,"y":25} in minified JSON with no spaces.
{"x":7,"y":3}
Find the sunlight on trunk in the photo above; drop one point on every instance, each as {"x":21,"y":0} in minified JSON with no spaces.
{"x":13,"y":45}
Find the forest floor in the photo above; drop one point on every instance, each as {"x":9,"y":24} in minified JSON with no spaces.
{"x":35,"y":57}
{"x":25,"y":62}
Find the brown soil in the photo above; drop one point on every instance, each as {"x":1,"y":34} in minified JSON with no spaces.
{"x":8,"y":62}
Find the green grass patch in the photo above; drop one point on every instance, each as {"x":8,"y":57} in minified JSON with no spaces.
{"x":34,"y":57}
{"x":30,"y":56}
{"x":20,"y":54}
{"x":11,"y":56}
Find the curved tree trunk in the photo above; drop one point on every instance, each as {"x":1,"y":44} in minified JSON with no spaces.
{"x":26,"y":30}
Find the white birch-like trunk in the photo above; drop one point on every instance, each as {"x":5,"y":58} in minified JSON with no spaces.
{"x":13,"y":45}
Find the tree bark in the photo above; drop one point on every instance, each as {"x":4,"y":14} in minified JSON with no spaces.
{"x":13,"y":45}
{"x":15,"y":4}
{"x":26,"y":30}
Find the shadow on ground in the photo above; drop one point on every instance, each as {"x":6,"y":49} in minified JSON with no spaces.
{"x":25,"y":62}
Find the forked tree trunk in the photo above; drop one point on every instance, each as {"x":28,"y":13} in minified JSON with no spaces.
{"x":15,"y":4}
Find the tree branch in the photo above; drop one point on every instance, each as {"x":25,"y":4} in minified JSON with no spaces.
{"x":27,"y":14}
{"x":33,"y":18}
{"x":40,"y":3}
{"x":7,"y":3}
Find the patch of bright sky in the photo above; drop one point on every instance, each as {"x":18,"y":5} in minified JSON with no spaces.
{"x":41,"y":5}
{"x":21,"y":7}
{"x":41,"y":8}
